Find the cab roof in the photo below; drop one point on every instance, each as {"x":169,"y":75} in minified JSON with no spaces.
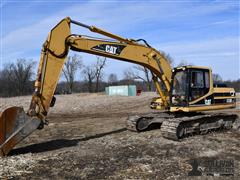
{"x":191,"y":67}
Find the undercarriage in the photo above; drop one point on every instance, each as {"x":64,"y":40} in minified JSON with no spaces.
{"x":176,"y":126}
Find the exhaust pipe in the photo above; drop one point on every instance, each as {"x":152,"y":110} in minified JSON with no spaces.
{"x":15,"y":125}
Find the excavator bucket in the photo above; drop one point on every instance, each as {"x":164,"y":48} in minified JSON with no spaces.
{"x":15,"y":125}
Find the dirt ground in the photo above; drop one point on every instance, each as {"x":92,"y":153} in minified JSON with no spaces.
{"x":87,"y":139}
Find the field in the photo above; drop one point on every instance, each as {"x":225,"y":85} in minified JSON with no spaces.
{"x":87,"y":139}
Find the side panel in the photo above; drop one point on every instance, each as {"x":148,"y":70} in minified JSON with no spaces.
{"x":202,"y":108}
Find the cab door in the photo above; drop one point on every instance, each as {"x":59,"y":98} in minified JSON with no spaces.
{"x":199,"y":85}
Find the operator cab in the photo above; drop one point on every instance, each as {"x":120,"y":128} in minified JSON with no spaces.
{"x":189,"y":85}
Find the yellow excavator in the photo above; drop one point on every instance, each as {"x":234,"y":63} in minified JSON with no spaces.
{"x":184,"y":91}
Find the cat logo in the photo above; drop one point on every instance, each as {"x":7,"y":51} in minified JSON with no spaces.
{"x":114,"y":49}
{"x":111,"y":49}
{"x":208,"y":101}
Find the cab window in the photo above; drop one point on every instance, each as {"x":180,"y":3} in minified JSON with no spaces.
{"x":197,"y":79}
{"x":198,"y":87}
{"x":207,"y":81}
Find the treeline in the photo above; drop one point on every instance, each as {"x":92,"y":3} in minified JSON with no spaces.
{"x":17,"y":79}
{"x":234,"y":84}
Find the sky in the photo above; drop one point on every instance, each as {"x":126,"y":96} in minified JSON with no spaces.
{"x":204,"y":33}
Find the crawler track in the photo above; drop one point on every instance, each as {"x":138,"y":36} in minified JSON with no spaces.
{"x":141,"y":123}
{"x":178,"y":126}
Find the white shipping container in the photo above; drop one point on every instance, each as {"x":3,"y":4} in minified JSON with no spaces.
{"x":121,"y":90}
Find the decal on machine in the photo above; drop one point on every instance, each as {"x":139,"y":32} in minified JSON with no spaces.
{"x":208,"y":101}
{"x":114,"y":49}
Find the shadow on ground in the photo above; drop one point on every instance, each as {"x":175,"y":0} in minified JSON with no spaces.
{"x":58,"y":144}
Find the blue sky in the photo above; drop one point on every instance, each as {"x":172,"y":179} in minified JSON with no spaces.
{"x":201,"y":32}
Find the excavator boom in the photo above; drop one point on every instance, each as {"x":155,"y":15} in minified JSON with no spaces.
{"x":56,"y":48}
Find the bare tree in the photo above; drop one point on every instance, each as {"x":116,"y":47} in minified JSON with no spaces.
{"x":216,"y":78}
{"x":7,"y":87}
{"x":112,"y":78}
{"x":147,"y":76}
{"x":18,"y":77}
{"x":94,"y":73}
{"x":99,"y":66}
{"x":129,"y":74}
{"x":144,"y":74}
{"x":70,"y":68}
{"x":167,"y":57}
{"x":89,"y":75}
{"x":141,"y":73}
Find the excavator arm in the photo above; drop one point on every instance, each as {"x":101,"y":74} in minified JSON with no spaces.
{"x":15,"y":125}
{"x":60,"y":40}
